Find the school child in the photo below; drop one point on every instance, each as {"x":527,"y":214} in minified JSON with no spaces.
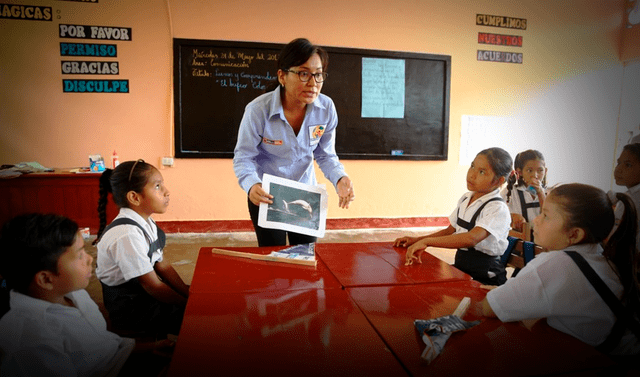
{"x":142,"y":292}
{"x":53,"y":326}
{"x":627,"y":173}
{"x":581,"y":289}
{"x":479,"y":225}
{"x":529,"y":178}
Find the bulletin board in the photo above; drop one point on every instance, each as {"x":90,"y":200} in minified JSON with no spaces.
{"x":391,"y":105}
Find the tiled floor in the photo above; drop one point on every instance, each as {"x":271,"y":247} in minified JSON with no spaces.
{"x":182,"y":249}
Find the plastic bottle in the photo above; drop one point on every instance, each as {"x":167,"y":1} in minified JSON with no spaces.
{"x":115,"y":161}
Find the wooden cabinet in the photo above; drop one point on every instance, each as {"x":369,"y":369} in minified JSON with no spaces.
{"x":60,"y":192}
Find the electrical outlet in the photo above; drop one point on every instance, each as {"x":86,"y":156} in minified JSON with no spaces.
{"x":167,"y":161}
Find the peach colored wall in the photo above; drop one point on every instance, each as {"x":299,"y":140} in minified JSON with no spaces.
{"x":567,"y":92}
{"x":630,"y":38}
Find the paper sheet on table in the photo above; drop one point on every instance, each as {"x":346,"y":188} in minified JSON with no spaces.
{"x":296,"y":207}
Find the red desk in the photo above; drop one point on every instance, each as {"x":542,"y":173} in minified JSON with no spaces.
{"x":310,"y":332}
{"x":216,"y":273}
{"x":491,"y":348}
{"x":379,"y":263}
{"x":352,"y":315}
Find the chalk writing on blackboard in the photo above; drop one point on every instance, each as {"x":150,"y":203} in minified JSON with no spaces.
{"x":382,"y":88}
{"x":231,"y":69}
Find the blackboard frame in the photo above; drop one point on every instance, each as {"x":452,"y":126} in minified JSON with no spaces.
{"x":424,"y":130}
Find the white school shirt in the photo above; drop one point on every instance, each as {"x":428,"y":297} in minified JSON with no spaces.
{"x":40,"y":338}
{"x":267,"y":144}
{"x":634,"y":193}
{"x":552,"y":286}
{"x":122,"y":251}
{"x":515,"y":205}
{"x":494,"y":218}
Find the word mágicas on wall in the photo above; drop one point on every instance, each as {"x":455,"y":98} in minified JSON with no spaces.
{"x":25,"y":12}
{"x":90,"y":67}
{"x":500,"y":39}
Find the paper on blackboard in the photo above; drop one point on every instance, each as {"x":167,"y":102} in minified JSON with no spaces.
{"x":382,"y":88}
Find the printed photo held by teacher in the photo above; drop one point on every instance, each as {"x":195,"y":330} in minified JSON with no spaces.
{"x":284,"y":130}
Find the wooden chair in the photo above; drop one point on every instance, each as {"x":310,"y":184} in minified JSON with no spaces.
{"x":520,"y":253}
{"x":524,"y":235}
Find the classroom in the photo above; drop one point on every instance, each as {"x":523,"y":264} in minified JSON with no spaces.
{"x":565,"y":80}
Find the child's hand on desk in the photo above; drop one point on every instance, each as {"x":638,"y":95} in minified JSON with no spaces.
{"x":405,"y":241}
{"x":414,"y":252}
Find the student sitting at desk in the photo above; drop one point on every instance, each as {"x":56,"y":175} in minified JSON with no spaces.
{"x":142,"y":292}
{"x":582,"y":290}
{"x":479,"y":224}
{"x":526,"y":188}
{"x":53,"y":326}
{"x":627,"y":173}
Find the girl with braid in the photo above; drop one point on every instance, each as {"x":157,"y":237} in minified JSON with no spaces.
{"x":478,"y":226}
{"x":529,"y":178}
{"x":142,"y":292}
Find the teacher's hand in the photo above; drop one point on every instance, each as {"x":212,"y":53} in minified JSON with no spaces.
{"x":345,"y":191}
{"x":257,"y":195}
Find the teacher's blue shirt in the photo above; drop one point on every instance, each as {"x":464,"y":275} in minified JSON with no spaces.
{"x":267,"y":143}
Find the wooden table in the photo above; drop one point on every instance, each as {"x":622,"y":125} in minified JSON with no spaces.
{"x":352,"y":315}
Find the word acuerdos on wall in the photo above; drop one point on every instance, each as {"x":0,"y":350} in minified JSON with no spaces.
{"x":25,"y":12}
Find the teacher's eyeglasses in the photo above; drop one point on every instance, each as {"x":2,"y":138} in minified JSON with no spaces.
{"x":305,"y":76}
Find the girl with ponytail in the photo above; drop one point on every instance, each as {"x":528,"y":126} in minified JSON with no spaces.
{"x":583,"y":289}
{"x":142,"y":292}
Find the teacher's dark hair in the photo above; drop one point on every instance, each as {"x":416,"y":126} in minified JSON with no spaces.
{"x":296,"y":53}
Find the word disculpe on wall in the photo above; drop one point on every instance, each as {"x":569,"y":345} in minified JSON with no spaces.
{"x":95,"y":86}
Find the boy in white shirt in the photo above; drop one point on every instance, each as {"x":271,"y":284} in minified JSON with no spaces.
{"x":53,"y":327}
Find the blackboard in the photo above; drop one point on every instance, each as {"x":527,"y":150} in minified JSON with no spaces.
{"x":215,"y":80}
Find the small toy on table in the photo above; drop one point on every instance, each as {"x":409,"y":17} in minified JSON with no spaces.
{"x":435,"y":332}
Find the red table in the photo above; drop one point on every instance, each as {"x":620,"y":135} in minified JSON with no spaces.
{"x":221,"y":273}
{"x":379,"y":263}
{"x":490,"y":348}
{"x":353,"y":315}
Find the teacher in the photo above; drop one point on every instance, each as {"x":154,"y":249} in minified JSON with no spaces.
{"x":282,"y":131}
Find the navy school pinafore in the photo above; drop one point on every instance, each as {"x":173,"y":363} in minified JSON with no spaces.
{"x":131,"y":308}
{"x":476,"y":263}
